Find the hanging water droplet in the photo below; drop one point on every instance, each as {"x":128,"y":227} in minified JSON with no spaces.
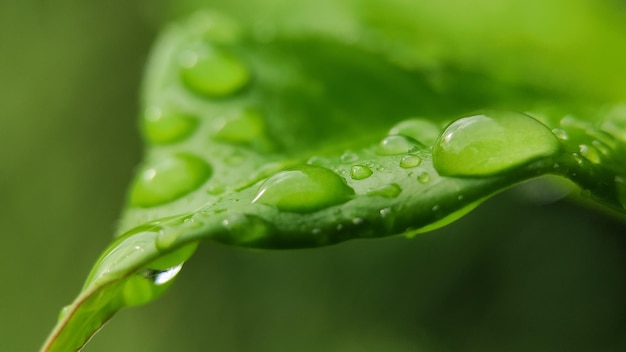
{"x":396,"y":144}
{"x":349,"y":157}
{"x":360,"y":172}
{"x":169,"y":179}
{"x":168,"y":127}
{"x":213,"y":72}
{"x":419,"y":129}
{"x":160,"y":277}
{"x":304,"y":188}
{"x":423,"y":177}
{"x":246,"y":230}
{"x":491,"y":143}
{"x":388,"y":191}
{"x":410,"y":161}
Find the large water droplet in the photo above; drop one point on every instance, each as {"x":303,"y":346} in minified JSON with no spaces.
{"x":160,"y":277}
{"x":169,"y":179}
{"x":246,"y":126}
{"x":491,"y":143}
{"x":396,"y":144}
{"x":419,"y":129}
{"x":410,"y":161}
{"x":360,"y":172}
{"x":168,"y":127}
{"x":213,"y":72}
{"x":304,"y":188}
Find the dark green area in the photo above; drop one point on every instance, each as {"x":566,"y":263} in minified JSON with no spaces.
{"x":511,"y":276}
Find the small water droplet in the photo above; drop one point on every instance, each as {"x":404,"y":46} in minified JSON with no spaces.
{"x":385,"y":212}
{"x":246,"y":230}
{"x":349,"y":157}
{"x":579,"y":160}
{"x":589,"y":153}
{"x":460,"y":198}
{"x":215,"y":189}
{"x":423,"y":177}
{"x":410,"y":161}
{"x":419,"y":129}
{"x":360,"y":172}
{"x":213,"y":72}
{"x":388,"y":191}
{"x":358,"y":221}
{"x":169,"y":179}
{"x":164,"y":127}
{"x":396,"y":144}
{"x":490,"y":143}
{"x":304,"y":188}
{"x":64,"y":311}
{"x":436,"y":208}
{"x":167,"y":237}
{"x":560,"y":134}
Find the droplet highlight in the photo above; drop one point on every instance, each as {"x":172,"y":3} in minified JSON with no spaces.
{"x":169,"y":179}
{"x":304,"y":188}
{"x":213,"y":72}
{"x":490,"y":143}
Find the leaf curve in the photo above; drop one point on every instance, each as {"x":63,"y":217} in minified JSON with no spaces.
{"x":307,"y":141}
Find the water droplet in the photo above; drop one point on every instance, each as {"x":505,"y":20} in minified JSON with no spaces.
{"x":423,"y":177}
{"x":385,"y":212}
{"x":491,"y":143}
{"x":246,"y":126}
{"x":388,"y":191}
{"x":410,"y":161}
{"x":168,"y":127}
{"x":160,"y":277}
{"x":304,"y":188}
{"x":419,"y":129}
{"x":213,"y":72}
{"x":215,"y":189}
{"x":246,"y":230}
{"x":167,"y":237}
{"x":589,"y":153}
{"x":349,"y":157}
{"x":360,"y":172}
{"x":579,"y":160}
{"x":169,"y":179}
{"x":602,"y":148}
{"x":560,"y":134}
{"x":64,"y":311}
{"x":396,"y":144}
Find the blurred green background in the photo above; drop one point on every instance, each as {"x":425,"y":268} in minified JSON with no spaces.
{"x":514,"y":275}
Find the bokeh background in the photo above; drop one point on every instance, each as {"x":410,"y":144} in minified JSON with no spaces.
{"x":518,"y":274}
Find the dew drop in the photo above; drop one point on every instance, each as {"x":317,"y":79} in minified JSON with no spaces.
{"x":169,"y":179}
{"x":385,"y":212}
{"x":410,"y":161}
{"x":491,"y":143}
{"x":388,"y":191}
{"x":212,"y":72}
{"x":160,"y":277}
{"x":360,"y":172}
{"x":601,"y":147}
{"x":396,"y":144}
{"x":304,"y":188}
{"x":168,"y":127}
{"x":419,"y":129}
{"x":423,"y":177}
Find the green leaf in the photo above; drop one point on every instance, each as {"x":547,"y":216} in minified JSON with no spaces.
{"x":307,"y":141}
